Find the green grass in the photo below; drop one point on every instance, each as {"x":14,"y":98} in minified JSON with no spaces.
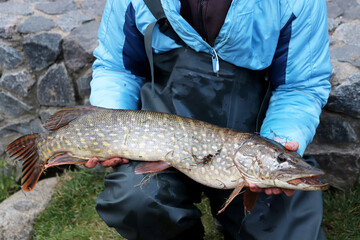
{"x":211,"y":233}
{"x":71,"y":214}
{"x":342,"y":214}
{"x":8,"y":182}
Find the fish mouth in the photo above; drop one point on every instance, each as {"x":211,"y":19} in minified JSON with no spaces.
{"x":311,"y":181}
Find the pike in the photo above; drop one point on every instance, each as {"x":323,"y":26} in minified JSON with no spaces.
{"x":213,"y":156}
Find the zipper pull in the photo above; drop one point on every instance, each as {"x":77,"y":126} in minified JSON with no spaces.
{"x":215,"y":63}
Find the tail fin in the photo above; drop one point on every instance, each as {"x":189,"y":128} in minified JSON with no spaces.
{"x":25,"y":149}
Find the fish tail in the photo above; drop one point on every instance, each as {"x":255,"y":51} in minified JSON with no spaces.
{"x":25,"y":149}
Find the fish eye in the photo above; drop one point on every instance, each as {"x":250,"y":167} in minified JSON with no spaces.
{"x":281,"y":158}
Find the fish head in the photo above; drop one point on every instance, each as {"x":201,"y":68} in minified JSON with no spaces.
{"x":268,"y":164}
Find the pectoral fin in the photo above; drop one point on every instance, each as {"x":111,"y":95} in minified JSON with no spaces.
{"x":232,"y":196}
{"x":63,"y":159}
{"x":249,"y":200}
{"x":151,"y":167}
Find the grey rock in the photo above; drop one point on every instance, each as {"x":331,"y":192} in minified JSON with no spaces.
{"x":24,"y":206}
{"x":23,"y":127}
{"x":334,"y":69}
{"x":341,"y":72}
{"x":8,"y":25}
{"x":16,"y":8}
{"x":342,"y":169}
{"x":7,"y":171}
{"x":8,"y":167}
{"x":45,"y":114}
{"x":2,"y":150}
{"x":32,"y":1}
{"x":36,"y":24}
{"x":352,"y":13}
{"x":348,"y":33}
{"x":79,"y":45}
{"x":333,"y":129}
{"x":332,"y":41}
{"x":334,"y":10}
{"x":346,"y":98}
{"x":20,"y":82}
{"x":55,"y":88}
{"x":345,"y":5}
{"x":56,"y":8}
{"x":347,"y":53}
{"x":93,"y":7}
{"x":12,"y":106}
{"x":10,"y":58}
{"x":35,"y":126}
{"x":72,"y":19}
{"x":332,"y":24}
{"x":42,"y":49}
{"x":83,"y":85}
{"x":12,"y":168}
{"x":18,"y":212}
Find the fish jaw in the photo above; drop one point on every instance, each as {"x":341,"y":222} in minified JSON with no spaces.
{"x":269,"y":165}
{"x":306,"y":183}
{"x":309,"y":183}
{"x":299,"y":175}
{"x":295,"y":176}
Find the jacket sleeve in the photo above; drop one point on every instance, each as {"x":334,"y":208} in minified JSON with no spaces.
{"x":300,"y":74}
{"x":121,"y":64}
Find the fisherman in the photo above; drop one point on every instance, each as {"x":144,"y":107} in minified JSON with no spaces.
{"x":228,"y":63}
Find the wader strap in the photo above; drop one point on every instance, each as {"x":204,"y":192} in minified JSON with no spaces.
{"x":264,"y":106}
{"x":157,"y":10}
{"x":149,"y":53}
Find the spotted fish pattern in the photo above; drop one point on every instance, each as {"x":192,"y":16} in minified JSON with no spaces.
{"x":214,"y":156}
{"x":196,"y":148}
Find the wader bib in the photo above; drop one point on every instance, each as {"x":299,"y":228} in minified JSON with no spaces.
{"x":184,"y":83}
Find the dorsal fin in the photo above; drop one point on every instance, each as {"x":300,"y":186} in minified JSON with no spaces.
{"x":64,"y":116}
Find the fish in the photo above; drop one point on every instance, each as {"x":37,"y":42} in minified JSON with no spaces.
{"x":214,"y":156}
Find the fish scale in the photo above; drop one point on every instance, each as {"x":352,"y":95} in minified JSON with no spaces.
{"x":214,"y":156}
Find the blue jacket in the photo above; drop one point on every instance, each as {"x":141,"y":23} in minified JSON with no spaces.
{"x":289,"y":36}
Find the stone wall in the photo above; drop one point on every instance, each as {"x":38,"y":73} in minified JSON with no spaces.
{"x":45,"y":64}
{"x":336,"y":145}
{"x":45,"y":60}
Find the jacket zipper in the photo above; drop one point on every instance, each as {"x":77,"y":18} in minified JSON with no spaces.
{"x":215,"y":62}
{"x":214,"y":58}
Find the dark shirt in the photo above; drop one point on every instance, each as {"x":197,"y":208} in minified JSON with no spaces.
{"x":205,"y":16}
